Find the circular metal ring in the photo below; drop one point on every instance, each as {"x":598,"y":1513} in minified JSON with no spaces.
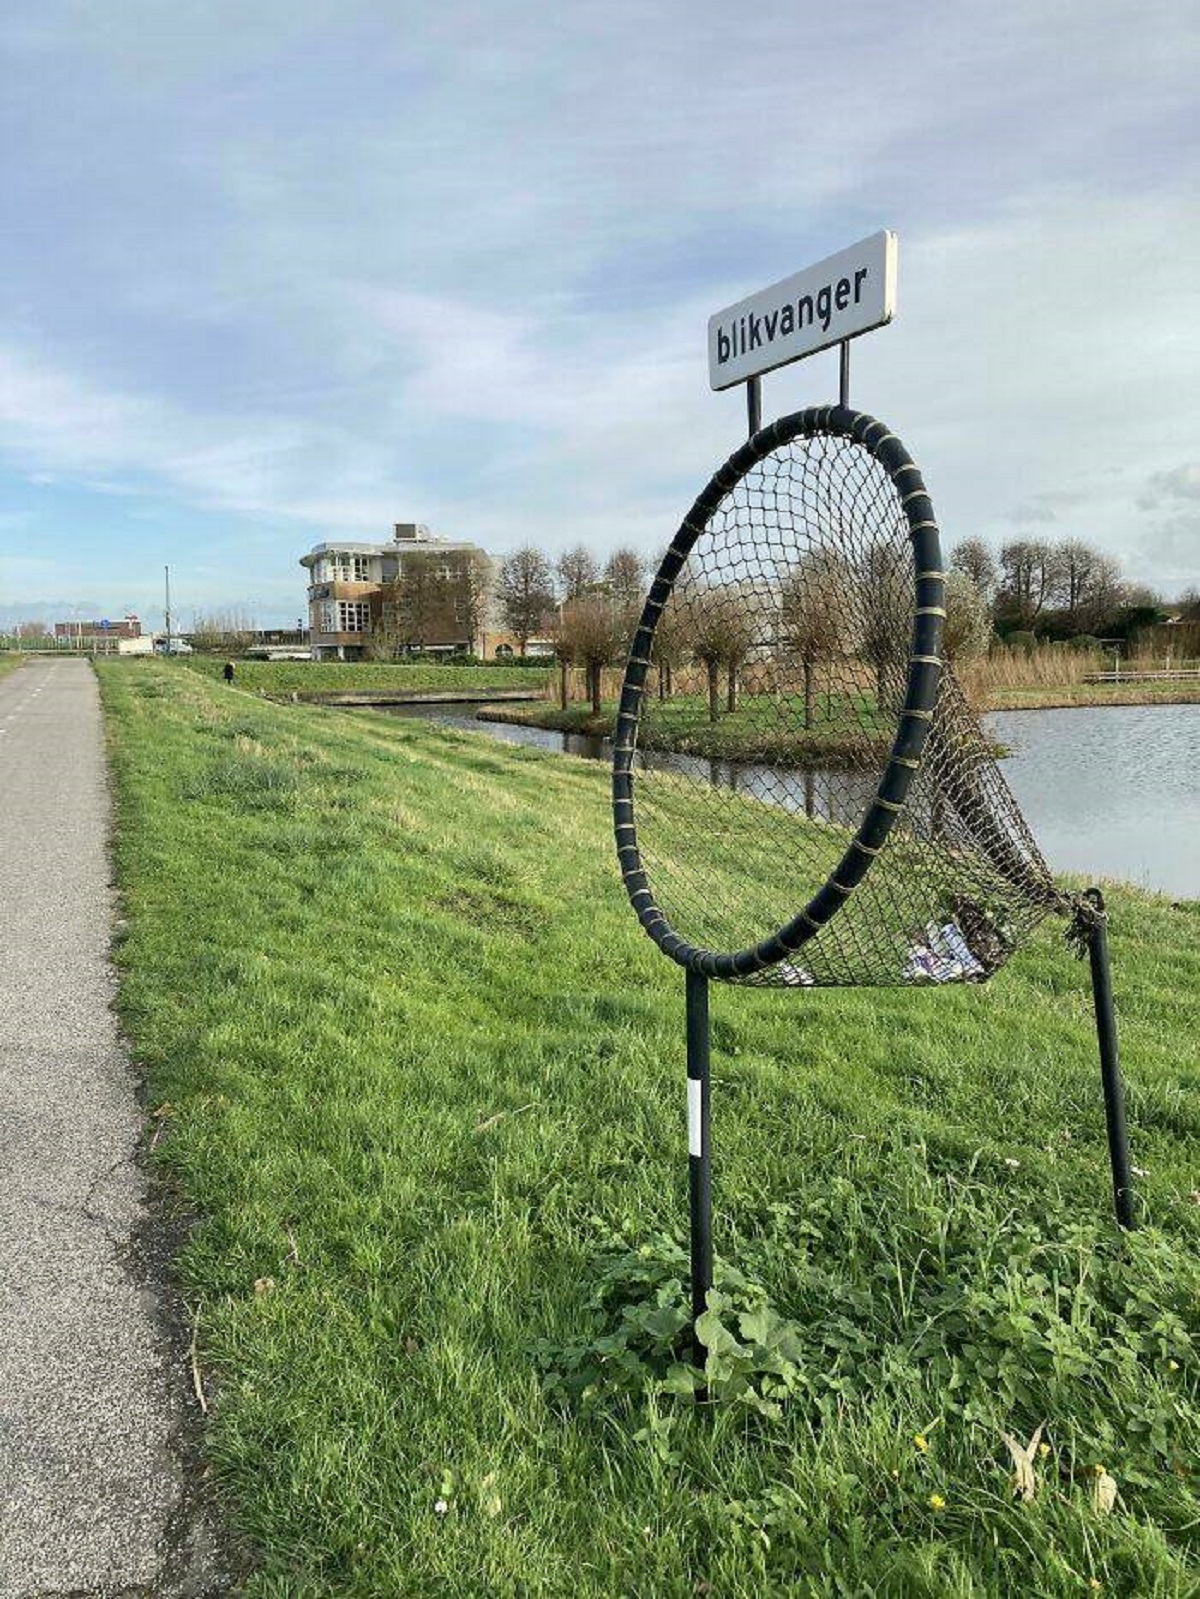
{"x":915,"y":717}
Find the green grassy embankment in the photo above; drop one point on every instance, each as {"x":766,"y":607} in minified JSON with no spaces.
{"x":420,"y":1075}
{"x":9,"y":661}
{"x":313,"y":679}
{"x":761,"y":727}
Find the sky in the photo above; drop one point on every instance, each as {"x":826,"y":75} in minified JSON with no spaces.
{"x":279,"y":273}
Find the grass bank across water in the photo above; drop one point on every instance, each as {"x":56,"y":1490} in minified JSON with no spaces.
{"x":313,"y":679}
{"x":1062,"y":696}
{"x":420,"y":1074}
{"x":755,"y":731}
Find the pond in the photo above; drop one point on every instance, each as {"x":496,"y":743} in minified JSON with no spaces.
{"x":1112,"y":790}
{"x":1109,"y":791}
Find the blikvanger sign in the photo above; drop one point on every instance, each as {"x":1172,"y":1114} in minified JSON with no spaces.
{"x":847,"y":294}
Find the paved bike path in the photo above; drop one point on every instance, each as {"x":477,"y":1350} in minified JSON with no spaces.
{"x":93,"y":1485}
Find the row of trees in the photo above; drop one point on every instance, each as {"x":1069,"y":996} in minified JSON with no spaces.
{"x":1057,"y":589}
{"x":821,"y":611}
{"x":533,"y":592}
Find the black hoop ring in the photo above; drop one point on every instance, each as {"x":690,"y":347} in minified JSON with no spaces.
{"x":920,"y":697}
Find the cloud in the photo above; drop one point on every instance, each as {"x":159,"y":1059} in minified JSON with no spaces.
{"x":1180,"y":483}
{"x":293,"y":270}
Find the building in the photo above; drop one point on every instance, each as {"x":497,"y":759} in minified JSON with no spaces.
{"x":86,"y":635}
{"x":416,"y":593}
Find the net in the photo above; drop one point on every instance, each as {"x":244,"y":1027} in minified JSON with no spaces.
{"x":802,"y":795}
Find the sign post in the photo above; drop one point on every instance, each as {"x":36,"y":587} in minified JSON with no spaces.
{"x":836,"y":300}
{"x":830,"y":303}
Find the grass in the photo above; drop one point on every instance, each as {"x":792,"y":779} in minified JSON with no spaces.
{"x":9,"y":662}
{"x":305,"y":679}
{"x":1068,"y":694}
{"x":762,"y":727}
{"x":419,"y":1073}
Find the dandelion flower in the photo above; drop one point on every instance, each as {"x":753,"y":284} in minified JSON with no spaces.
{"x":1043,"y":1450}
{"x":936,"y":1502}
{"x":921,"y":1442}
{"x":440,"y":1507}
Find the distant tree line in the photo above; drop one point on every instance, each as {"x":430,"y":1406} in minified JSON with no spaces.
{"x":1055,"y":590}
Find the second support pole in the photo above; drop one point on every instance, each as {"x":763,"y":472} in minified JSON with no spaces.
{"x":1110,"y":1063}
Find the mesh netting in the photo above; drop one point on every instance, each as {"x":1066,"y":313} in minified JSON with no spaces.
{"x":802,"y":795}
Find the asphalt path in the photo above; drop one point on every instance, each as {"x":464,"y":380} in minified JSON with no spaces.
{"x":95,"y":1494}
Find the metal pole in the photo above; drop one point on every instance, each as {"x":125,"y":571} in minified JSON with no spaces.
{"x":753,"y":405}
{"x":844,"y":372}
{"x":699,"y":1151}
{"x":167,"y":573}
{"x":1110,"y":1062}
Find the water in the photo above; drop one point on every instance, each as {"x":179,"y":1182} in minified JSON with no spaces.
{"x":1109,"y":791}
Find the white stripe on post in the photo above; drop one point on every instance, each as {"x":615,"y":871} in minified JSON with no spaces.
{"x":694,"y":1092}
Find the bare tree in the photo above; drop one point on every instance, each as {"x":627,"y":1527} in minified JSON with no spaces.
{"x":813,"y":622}
{"x":625,"y":573}
{"x":721,"y":633}
{"x":474,"y":595}
{"x":222,"y":632}
{"x":973,"y":557}
{"x":525,"y":589}
{"x":1104,"y":595}
{"x":578,"y":571}
{"x":588,"y":637}
{"x":1031,"y":579}
{"x":420,"y":600}
{"x":883,"y":596}
{"x":669,"y":646}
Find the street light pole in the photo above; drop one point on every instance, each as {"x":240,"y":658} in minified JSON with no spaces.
{"x":167,"y":575}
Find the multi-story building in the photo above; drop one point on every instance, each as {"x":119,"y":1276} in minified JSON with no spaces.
{"x":417,"y":592}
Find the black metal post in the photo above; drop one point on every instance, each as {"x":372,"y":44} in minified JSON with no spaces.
{"x":844,"y":372}
{"x":1110,"y":1062}
{"x":699,"y":1151}
{"x":753,"y":405}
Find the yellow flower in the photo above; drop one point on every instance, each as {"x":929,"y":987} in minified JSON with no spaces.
{"x":1043,"y":1450}
{"x":936,"y":1502}
{"x":921,"y":1442}
{"x":1172,"y":1365}
{"x":1095,"y":1584}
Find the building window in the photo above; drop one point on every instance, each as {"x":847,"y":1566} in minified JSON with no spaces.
{"x":328,"y":617}
{"x":362,"y":568}
{"x":354,"y":616}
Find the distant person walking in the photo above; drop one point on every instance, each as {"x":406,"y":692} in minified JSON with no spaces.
{"x":228,"y":672}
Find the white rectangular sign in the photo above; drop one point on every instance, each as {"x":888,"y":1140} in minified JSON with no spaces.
{"x":847,"y":294}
